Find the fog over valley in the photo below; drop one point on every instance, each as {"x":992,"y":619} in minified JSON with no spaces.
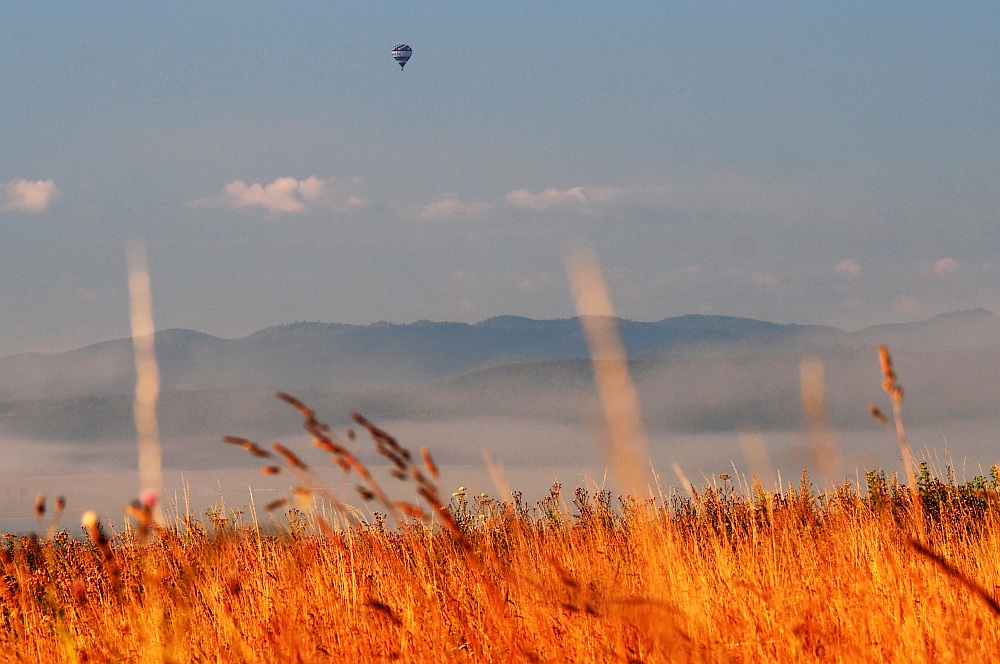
{"x":717,"y":393}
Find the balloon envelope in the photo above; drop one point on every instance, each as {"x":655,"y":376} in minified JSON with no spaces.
{"x":402,"y":53}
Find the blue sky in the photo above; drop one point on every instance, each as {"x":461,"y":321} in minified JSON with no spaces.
{"x":829,"y":163}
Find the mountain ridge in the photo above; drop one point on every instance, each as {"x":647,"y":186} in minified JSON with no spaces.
{"x":693,"y":372}
{"x":339,"y":356}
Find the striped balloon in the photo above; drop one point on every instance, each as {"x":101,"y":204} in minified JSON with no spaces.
{"x":402,"y":53}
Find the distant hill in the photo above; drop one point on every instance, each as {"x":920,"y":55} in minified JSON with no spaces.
{"x":972,"y":327}
{"x":694,"y":373}
{"x":334,"y":356}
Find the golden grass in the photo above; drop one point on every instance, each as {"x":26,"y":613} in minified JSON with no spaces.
{"x":725,"y":576}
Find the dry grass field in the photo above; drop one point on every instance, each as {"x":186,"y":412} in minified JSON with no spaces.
{"x":732,"y":572}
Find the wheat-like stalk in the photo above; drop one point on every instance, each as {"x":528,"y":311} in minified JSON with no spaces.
{"x":895,"y":392}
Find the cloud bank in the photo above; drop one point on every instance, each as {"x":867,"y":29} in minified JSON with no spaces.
{"x":28,"y":196}
{"x":281,"y":196}
{"x":586,"y":199}
{"x":284,"y":195}
{"x":722,"y":196}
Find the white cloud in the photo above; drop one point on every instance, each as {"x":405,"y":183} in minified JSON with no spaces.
{"x":944,"y":266}
{"x":453,"y":207}
{"x":311,"y":188}
{"x":29,"y":196}
{"x":588,"y":199}
{"x":849,"y":267}
{"x":281,"y":196}
{"x":721,"y":195}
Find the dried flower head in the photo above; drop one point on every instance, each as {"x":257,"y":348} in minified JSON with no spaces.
{"x":878,"y":414}
{"x":429,"y":464}
{"x":894,"y":390}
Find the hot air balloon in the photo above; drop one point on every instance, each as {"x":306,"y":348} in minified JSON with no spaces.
{"x":402,"y":53}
